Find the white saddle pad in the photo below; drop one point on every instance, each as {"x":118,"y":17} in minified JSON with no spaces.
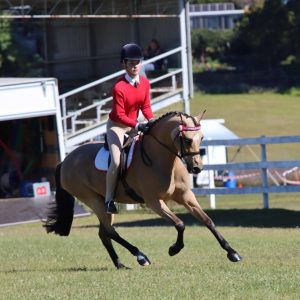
{"x":102,"y":157}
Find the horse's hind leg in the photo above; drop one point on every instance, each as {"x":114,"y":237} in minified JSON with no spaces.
{"x":189,"y":200}
{"x":108,"y":232}
{"x":141,"y":257}
{"x":106,"y":241}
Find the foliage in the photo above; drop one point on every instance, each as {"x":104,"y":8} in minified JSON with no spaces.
{"x":207,"y":43}
{"x":7,"y":51}
{"x":269,"y":35}
{"x":14,"y":61}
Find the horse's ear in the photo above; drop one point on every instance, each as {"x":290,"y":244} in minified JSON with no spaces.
{"x":199,"y":117}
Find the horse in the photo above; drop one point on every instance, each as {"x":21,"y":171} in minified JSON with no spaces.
{"x":164,"y":156}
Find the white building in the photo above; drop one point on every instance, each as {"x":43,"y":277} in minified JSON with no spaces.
{"x":218,"y":16}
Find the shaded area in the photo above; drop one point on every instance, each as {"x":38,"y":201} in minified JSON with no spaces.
{"x":234,"y":81}
{"x":264,"y":218}
{"x":75,"y":269}
{"x":22,"y":210}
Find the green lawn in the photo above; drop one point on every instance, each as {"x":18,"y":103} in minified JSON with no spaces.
{"x":250,"y":115}
{"x":34,"y":265}
{"x":253,"y":115}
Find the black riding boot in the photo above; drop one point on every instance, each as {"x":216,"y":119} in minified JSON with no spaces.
{"x":111,"y":207}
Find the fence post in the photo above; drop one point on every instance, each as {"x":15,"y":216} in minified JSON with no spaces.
{"x":212,"y":197}
{"x":264,"y":174}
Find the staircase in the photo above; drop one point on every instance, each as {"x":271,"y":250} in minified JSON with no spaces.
{"x":85,"y":109}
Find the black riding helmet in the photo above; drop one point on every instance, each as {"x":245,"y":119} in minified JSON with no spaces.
{"x":131,"y":51}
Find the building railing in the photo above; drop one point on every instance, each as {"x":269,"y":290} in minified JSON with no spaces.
{"x":72,"y":118}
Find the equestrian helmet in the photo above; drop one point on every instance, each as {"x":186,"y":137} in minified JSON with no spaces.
{"x":131,"y":51}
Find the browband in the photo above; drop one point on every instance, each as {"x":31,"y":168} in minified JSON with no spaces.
{"x":183,"y":128}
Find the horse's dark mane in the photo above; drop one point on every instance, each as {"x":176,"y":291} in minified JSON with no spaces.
{"x":174,"y":113}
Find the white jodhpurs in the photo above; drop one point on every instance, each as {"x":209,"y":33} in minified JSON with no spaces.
{"x":115,"y":139}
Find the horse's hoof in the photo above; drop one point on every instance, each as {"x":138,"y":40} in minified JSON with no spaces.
{"x":174,"y":249}
{"x":144,"y":263}
{"x":234,"y":257}
{"x":143,"y":260}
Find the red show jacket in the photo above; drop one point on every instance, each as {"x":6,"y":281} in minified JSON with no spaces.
{"x":128,"y":100}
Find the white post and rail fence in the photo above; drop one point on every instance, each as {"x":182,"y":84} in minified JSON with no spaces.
{"x":263,"y":165}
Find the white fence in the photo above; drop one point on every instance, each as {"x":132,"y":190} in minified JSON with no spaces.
{"x":263,"y":165}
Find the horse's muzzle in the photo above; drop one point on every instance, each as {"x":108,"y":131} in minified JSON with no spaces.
{"x":196,"y":170}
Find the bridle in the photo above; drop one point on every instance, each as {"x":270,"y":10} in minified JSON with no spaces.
{"x":182,"y":140}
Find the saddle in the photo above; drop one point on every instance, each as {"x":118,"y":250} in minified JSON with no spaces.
{"x":102,"y":161}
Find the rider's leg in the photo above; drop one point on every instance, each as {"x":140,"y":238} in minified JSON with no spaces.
{"x":115,"y":138}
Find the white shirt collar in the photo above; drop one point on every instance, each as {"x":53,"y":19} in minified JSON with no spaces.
{"x":131,"y":80}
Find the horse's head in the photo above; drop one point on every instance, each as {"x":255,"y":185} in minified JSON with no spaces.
{"x":187,"y":137}
{"x":181,"y":135}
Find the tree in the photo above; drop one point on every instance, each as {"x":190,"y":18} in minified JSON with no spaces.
{"x":210,"y":43}
{"x":268,"y":35}
{"x":293,"y":7}
{"x":7,"y":50}
{"x":14,"y":61}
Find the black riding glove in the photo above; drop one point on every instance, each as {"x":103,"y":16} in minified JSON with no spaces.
{"x":144,"y":127}
{"x":150,"y":122}
{"x":141,"y":127}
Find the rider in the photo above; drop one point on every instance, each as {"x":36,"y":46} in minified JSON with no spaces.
{"x":131,"y":93}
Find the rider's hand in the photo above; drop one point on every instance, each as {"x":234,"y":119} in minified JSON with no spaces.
{"x":141,"y":127}
{"x":150,"y":122}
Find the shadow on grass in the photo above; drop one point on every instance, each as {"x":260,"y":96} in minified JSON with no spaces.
{"x":75,"y":269}
{"x":265,"y":218}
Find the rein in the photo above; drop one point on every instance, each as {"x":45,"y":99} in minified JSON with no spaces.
{"x":182,"y":128}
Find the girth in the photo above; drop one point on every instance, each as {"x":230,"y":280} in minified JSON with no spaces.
{"x":123,"y":172}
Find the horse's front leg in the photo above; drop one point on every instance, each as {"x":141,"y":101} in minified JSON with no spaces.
{"x":189,"y":200}
{"x":163,"y":210}
{"x":178,"y":245}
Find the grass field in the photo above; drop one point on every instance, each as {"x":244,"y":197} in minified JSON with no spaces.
{"x":34,"y":265}
{"x":250,"y":115}
{"x":253,"y":115}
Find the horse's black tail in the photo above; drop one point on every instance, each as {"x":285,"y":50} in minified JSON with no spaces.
{"x":60,"y":216}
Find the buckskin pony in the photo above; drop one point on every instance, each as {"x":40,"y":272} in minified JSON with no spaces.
{"x":157,"y":174}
